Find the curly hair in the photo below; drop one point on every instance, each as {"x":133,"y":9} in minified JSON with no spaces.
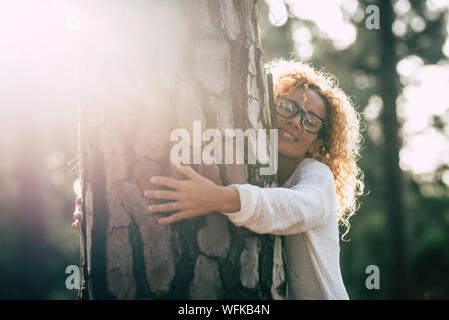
{"x":342,"y":136}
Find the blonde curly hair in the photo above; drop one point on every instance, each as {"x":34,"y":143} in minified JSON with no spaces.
{"x":341,"y":137}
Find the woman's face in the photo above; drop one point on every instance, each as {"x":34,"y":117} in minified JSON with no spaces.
{"x":293,"y":140}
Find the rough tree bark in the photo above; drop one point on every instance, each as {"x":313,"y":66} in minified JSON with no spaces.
{"x":147,"y":68}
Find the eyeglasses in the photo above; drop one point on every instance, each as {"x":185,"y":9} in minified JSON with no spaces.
{"x":310,"y":121}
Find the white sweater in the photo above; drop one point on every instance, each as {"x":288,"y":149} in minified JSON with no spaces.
{"x":303,"y":213}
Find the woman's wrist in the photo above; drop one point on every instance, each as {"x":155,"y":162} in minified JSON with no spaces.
{"x":229,"y":199}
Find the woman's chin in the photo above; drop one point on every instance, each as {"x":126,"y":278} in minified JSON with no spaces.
{"x":289,"y":151}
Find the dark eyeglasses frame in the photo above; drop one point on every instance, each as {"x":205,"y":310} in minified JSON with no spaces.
{"x":303,"y":112}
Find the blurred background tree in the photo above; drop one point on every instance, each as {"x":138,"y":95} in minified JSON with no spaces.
{"x":397,"y":76}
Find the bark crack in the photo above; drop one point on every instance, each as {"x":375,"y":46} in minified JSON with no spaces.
{"x":139,"y":271}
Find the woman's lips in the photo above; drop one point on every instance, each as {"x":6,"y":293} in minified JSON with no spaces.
{"x":287,"y":136}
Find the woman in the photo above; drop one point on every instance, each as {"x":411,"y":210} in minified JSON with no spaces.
{"x":318,"y":143}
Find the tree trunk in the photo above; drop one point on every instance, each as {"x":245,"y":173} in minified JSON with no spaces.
{"x":147,"y":68}
{"x":400,"y":268}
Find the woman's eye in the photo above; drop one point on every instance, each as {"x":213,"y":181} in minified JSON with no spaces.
{"x":286,"y":106}
{"x":311,"y":121}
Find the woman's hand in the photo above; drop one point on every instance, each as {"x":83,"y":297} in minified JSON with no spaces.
{"x":77,"y":214}
{"x":193,"y":197}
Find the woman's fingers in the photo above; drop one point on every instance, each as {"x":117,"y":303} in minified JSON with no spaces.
{"x":177,"y":217}
{"x":76,"y":225}
{"x":77,"y":215}
{"x":167,"y":182}
{"x":166,"y":207}
{"x":78,"y":203}
{"x":187,"y":171}
{"x":162,"y":194}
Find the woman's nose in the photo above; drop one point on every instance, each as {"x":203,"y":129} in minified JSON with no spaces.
{"x":295,"y":122}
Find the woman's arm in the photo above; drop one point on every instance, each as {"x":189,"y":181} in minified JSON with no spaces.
{"x":262,"y":210}
{"x":281,"y":211}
